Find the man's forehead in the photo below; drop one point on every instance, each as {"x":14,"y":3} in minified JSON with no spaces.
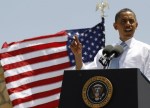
{"x":126,"y":14}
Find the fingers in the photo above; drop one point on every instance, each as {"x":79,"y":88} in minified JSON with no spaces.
{"x":76,"y":39}
{"x":75,"y":43}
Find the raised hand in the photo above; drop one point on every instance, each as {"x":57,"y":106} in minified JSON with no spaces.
{"x":76,"y":46}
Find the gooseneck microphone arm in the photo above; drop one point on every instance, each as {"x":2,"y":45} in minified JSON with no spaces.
{"x":116,"y":52}
{"x":105,"y":54}
{"x":110,"y":52}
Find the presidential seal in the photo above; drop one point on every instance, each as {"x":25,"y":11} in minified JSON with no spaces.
{"x":97,"y":92}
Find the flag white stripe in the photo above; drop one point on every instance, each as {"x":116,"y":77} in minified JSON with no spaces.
{"x":33,"y":43}
{"x":39,"y":65}
{"x":30,"y":55}
{"x":40,"y":101}
{"x":35,"y":90}
{"x":31,"y":79}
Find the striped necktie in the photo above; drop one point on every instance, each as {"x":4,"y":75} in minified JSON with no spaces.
{"x":124,"y":45}
{"x":114,"y":64}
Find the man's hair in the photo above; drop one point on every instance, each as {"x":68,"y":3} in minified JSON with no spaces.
{"x":123,"y":10}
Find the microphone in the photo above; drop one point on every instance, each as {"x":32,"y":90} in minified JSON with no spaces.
{"x":116,"y":52}
{"x":105,"y":54}
{"x":107,"y":50}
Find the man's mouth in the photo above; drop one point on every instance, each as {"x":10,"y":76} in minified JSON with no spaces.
{"x":128,"y":30}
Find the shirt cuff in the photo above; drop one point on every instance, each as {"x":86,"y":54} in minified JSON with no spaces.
{"x":82,"y":68}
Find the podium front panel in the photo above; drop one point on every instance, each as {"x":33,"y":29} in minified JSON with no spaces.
{"x":124,"y":83}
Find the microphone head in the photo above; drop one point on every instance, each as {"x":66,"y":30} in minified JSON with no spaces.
{"x":107,"y":50}
{"x":117,"y":50}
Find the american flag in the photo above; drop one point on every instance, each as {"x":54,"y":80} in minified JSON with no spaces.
{"x":33,"y":68}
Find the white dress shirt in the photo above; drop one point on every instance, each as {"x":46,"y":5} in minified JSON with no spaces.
{"x":137,"y":55}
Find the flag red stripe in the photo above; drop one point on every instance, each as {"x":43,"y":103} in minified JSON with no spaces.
{"x":35,"y":60}
{"x":35,"y":84}
{"x":59,"y":34}
{"x":32,"y":49}
{"x":36,"y":96}
{"x":38,"y":71}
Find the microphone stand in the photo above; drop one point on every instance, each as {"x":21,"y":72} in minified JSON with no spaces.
{"x":107,"y":64}
{"x":104,"y":62}
{"x":105,"y":67}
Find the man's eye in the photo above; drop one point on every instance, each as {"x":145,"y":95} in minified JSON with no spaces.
{"x":123,"y":21}
{"x":131,"y":21}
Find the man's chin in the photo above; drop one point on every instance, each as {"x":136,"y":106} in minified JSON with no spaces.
{"x":129,"y":35}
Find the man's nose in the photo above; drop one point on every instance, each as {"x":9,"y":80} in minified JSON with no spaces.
{"x":127,"y":24}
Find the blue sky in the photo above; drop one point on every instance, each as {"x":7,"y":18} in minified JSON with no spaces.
{"x":22,"y":19}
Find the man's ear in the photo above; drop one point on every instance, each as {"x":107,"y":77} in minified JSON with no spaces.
{"x":115,"y":26}
{"x":136,"y":24}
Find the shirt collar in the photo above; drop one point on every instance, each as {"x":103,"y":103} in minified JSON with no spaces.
{"x":129,"y":42}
